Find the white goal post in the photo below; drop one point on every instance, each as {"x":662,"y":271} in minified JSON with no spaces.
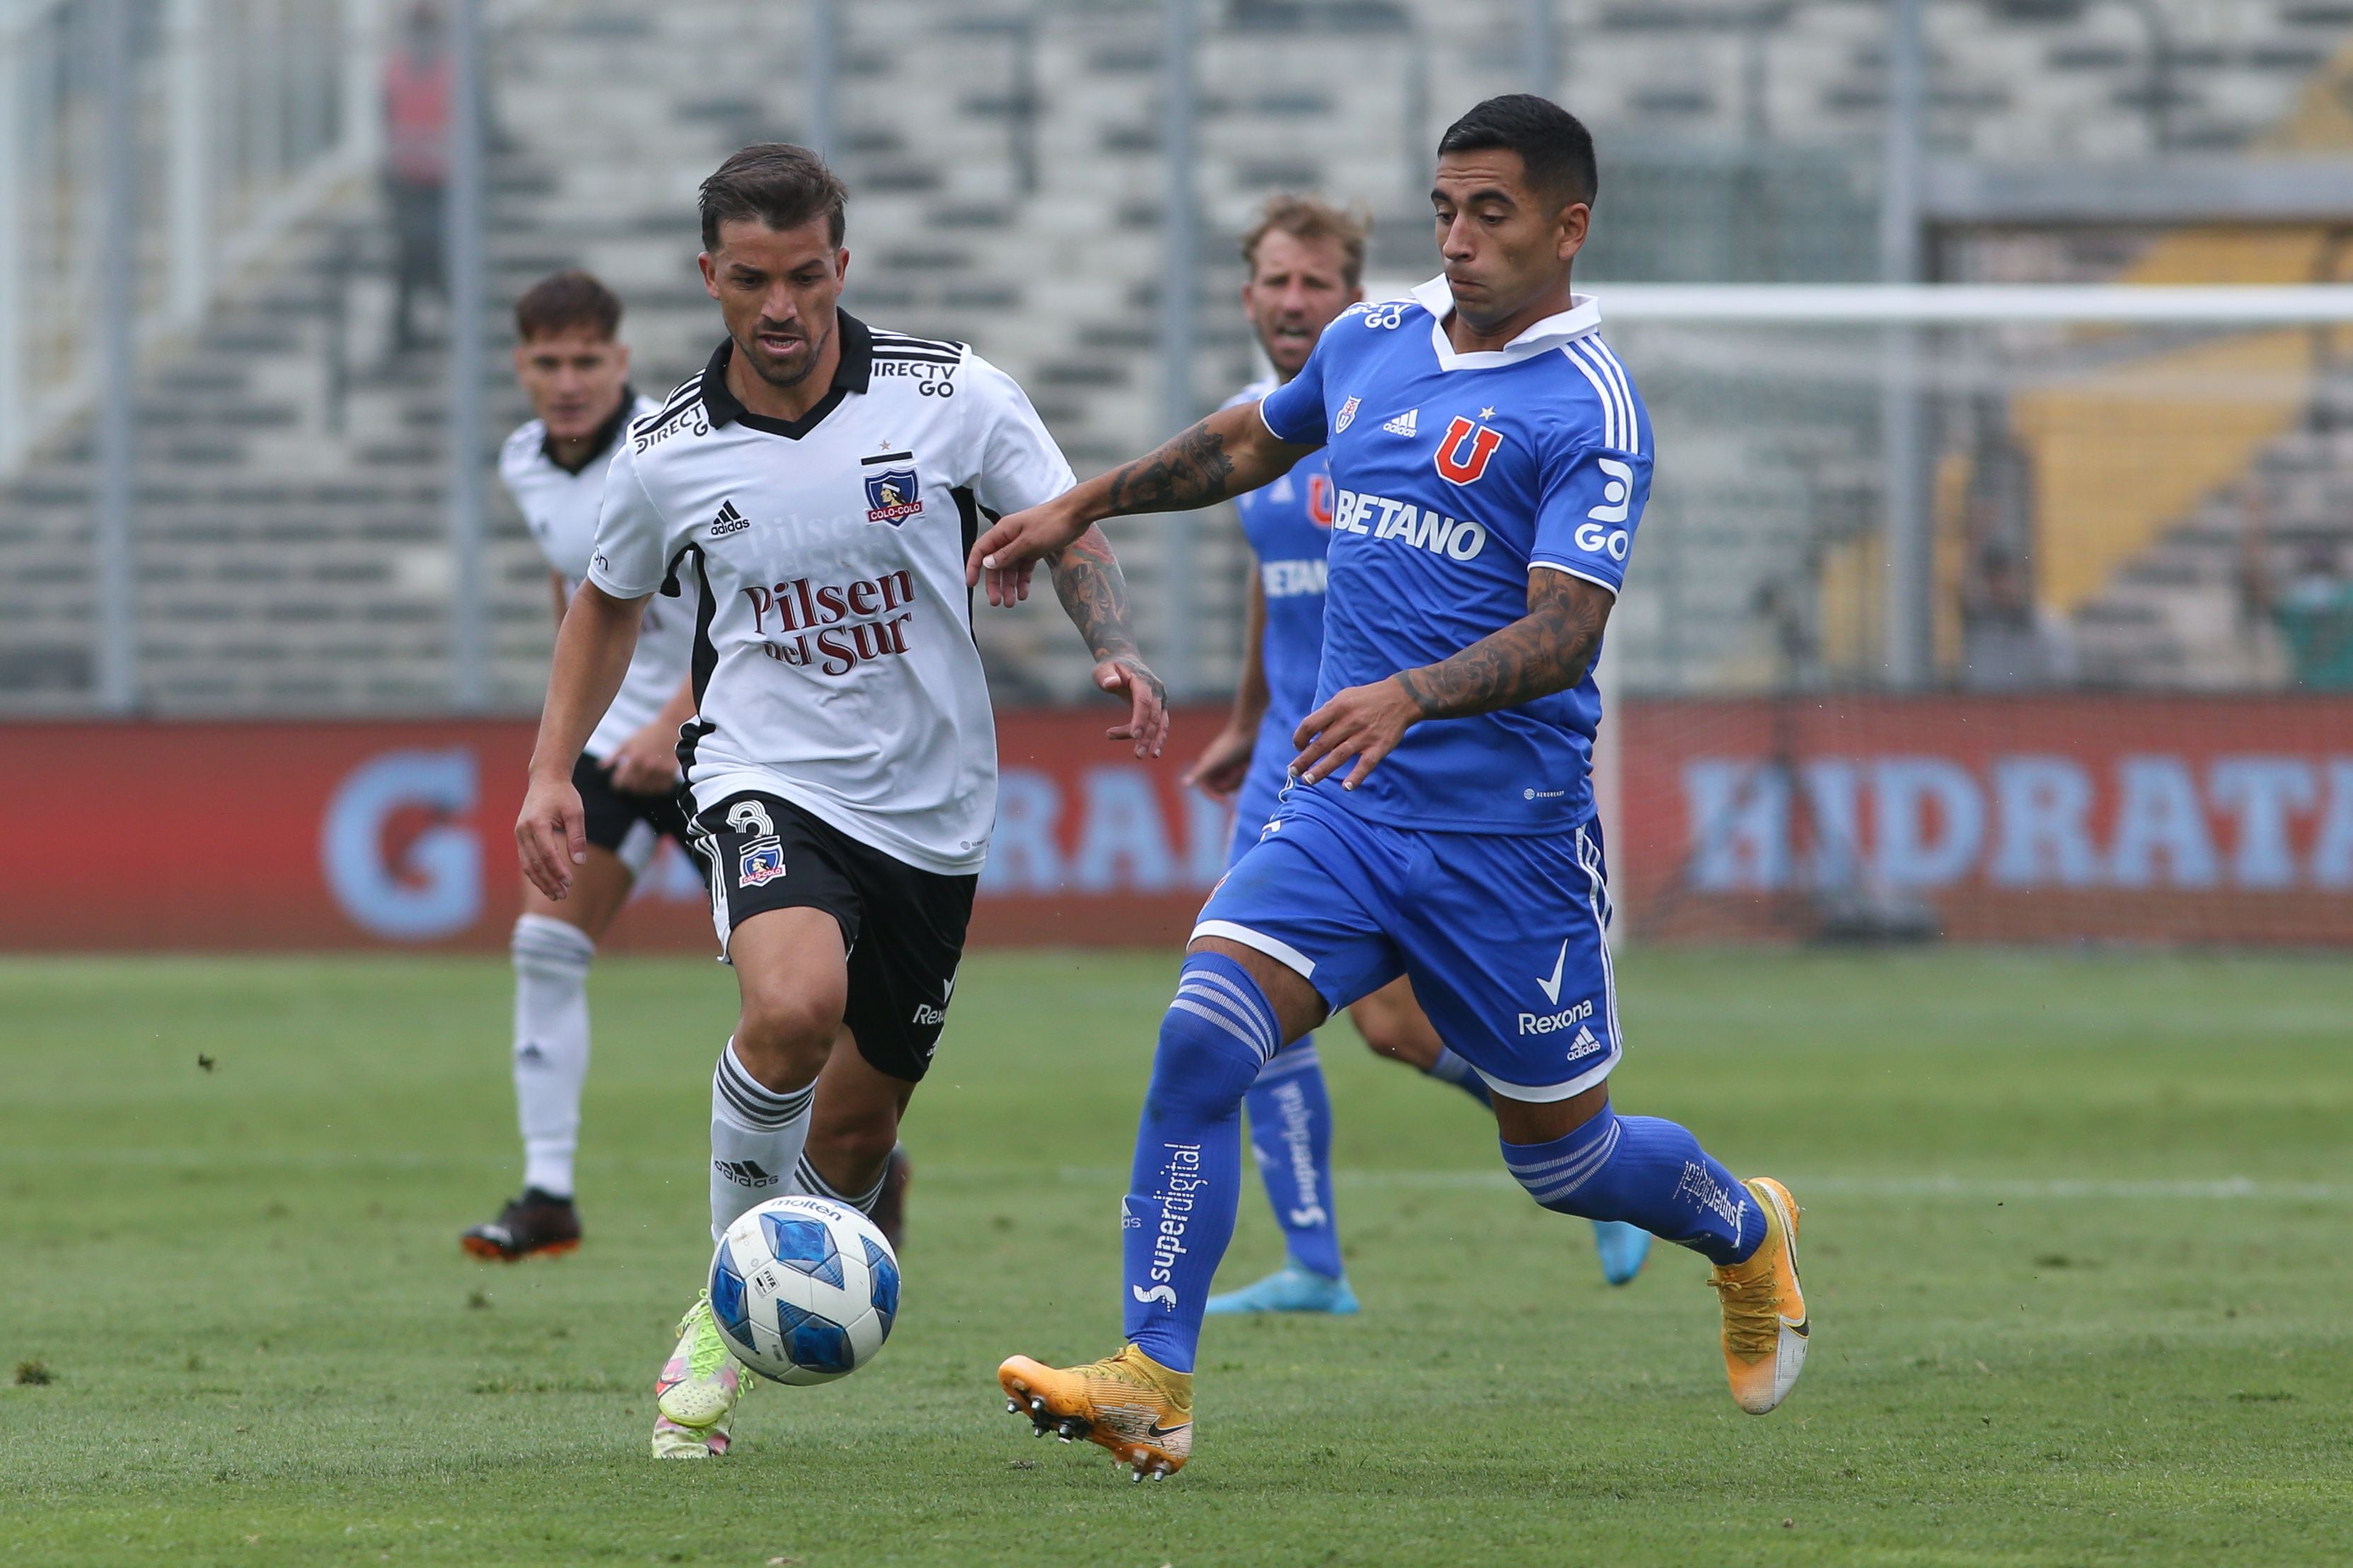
{"x":1956,"y":304}
{"x":1974,"y":304}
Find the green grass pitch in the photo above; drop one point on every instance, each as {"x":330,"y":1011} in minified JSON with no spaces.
{"x":2076,"y":1239}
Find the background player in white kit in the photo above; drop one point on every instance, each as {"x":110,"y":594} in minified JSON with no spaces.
{"x":820,"y":482}
{"x":576,"y":370}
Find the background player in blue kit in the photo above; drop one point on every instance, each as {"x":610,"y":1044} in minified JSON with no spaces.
{"x":1306,"y":261}
{"x":1490,"y":462}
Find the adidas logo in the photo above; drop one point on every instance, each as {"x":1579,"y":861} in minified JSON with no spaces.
{"x":1584,"y":1045}
{"x":1403,"y":424}
{"x":531,"y":1053}
{"x":729,"y":520}
{"x":743,"y":1172}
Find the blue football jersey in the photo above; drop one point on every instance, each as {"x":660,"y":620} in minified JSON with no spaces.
{"x":1289,"y":526}
{"x":1455,"y":474}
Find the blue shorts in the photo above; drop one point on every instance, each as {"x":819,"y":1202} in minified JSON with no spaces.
{"x":1502,"y":935}
{"x":1260,"y":792}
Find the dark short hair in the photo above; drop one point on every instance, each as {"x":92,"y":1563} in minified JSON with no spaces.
{"x":566,"y":301}
{"x":1304,"y":218}
{"x":780,"y":184}
{"x":1555,"y":147}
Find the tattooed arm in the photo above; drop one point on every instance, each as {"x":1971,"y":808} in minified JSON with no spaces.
{"x":1229,"y":453}
{"x":1087,"y":580}
{"x":1546,"y":650}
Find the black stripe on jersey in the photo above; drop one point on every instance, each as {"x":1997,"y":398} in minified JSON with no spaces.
{"x":969,"y":511}
{"x":706,"y":657}
{"x":902,"y":339}
{"x":670,"y":415}
{"x":886,"y":458}
{"x":682,"y":394}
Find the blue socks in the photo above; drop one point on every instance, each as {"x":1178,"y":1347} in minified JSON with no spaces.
{"x":1290,"y":1135}
{"x":1186,"y":1186}
{"x":1644,"y":1172}
{"x":1451,"y":1069}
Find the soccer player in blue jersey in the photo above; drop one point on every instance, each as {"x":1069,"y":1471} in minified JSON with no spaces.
{"x":1306,"y":261}
{"x":1490,"y":462}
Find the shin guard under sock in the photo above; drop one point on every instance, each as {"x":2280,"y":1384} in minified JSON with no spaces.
{"x":1186,"y":1186}
{"x":756,"y":1137}
{"x":551,"y":1045}
{"x":1291,"y":1138}
{"x":1646,"y":1171}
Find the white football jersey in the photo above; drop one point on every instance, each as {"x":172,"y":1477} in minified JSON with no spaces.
{"x":561,"y":508}
{"x":834,"y":659}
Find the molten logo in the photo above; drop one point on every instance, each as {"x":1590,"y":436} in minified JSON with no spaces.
{"x":1456,"y":465}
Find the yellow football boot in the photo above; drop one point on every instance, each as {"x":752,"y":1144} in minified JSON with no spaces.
{"x":1765,"y":1325}
{"x":696,"y":1394}
{"x":1128,"y":1403}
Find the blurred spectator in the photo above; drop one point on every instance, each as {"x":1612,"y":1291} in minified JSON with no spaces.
{"x":2005,"y":643}
{"x":2315,"y":616}
{"x":416,"y":92}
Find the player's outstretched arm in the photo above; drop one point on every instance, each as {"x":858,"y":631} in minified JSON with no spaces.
{"x":592,"y":655}
{"x":1093,"y":592}
{"x":1229,"y":453}
{"x":1546,"y":650}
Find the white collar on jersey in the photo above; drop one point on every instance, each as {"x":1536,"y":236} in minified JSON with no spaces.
{"x":1583,"y":316}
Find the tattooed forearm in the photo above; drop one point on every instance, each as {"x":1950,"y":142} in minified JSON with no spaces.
{"x":1088,"y":580}
{"x":1184,"y":472}
{"x":1545,"y":651}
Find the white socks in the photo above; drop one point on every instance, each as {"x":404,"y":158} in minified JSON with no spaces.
{"x":807,"y":1180}
{"x":756,"y":1138}
{"x":551,"y":1045}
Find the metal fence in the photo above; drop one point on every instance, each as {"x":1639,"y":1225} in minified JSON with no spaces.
{"x":245,"y":112}
{"x":1839,"y":504}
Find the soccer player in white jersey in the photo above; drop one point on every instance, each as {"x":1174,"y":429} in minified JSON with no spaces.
{"x":1306,"y":261}
{"x":1490,"y":463}
{"x":819,"y":483}
{"x":576,"y":370}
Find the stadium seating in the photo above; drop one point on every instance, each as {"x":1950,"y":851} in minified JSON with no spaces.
{"x":1006,"y":169}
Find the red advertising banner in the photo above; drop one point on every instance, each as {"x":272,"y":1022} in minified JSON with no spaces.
{"x":2013,"y":819}
{"x":2225,"y":820}
{"x":227,"y":836}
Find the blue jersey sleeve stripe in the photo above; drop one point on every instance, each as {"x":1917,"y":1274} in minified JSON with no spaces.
{"x":1573,"y":571}
{"x":1602,"y":390}
{"x":1625,"y":394}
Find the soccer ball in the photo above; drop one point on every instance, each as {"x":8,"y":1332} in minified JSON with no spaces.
{"x":804,"y":1291}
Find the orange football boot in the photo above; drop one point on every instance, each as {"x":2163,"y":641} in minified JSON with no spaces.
{"x":1128,"y":1403}
{"x":1765,"y":1325}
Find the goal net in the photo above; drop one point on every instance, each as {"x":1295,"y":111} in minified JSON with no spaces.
{"x":2000,"y":613}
